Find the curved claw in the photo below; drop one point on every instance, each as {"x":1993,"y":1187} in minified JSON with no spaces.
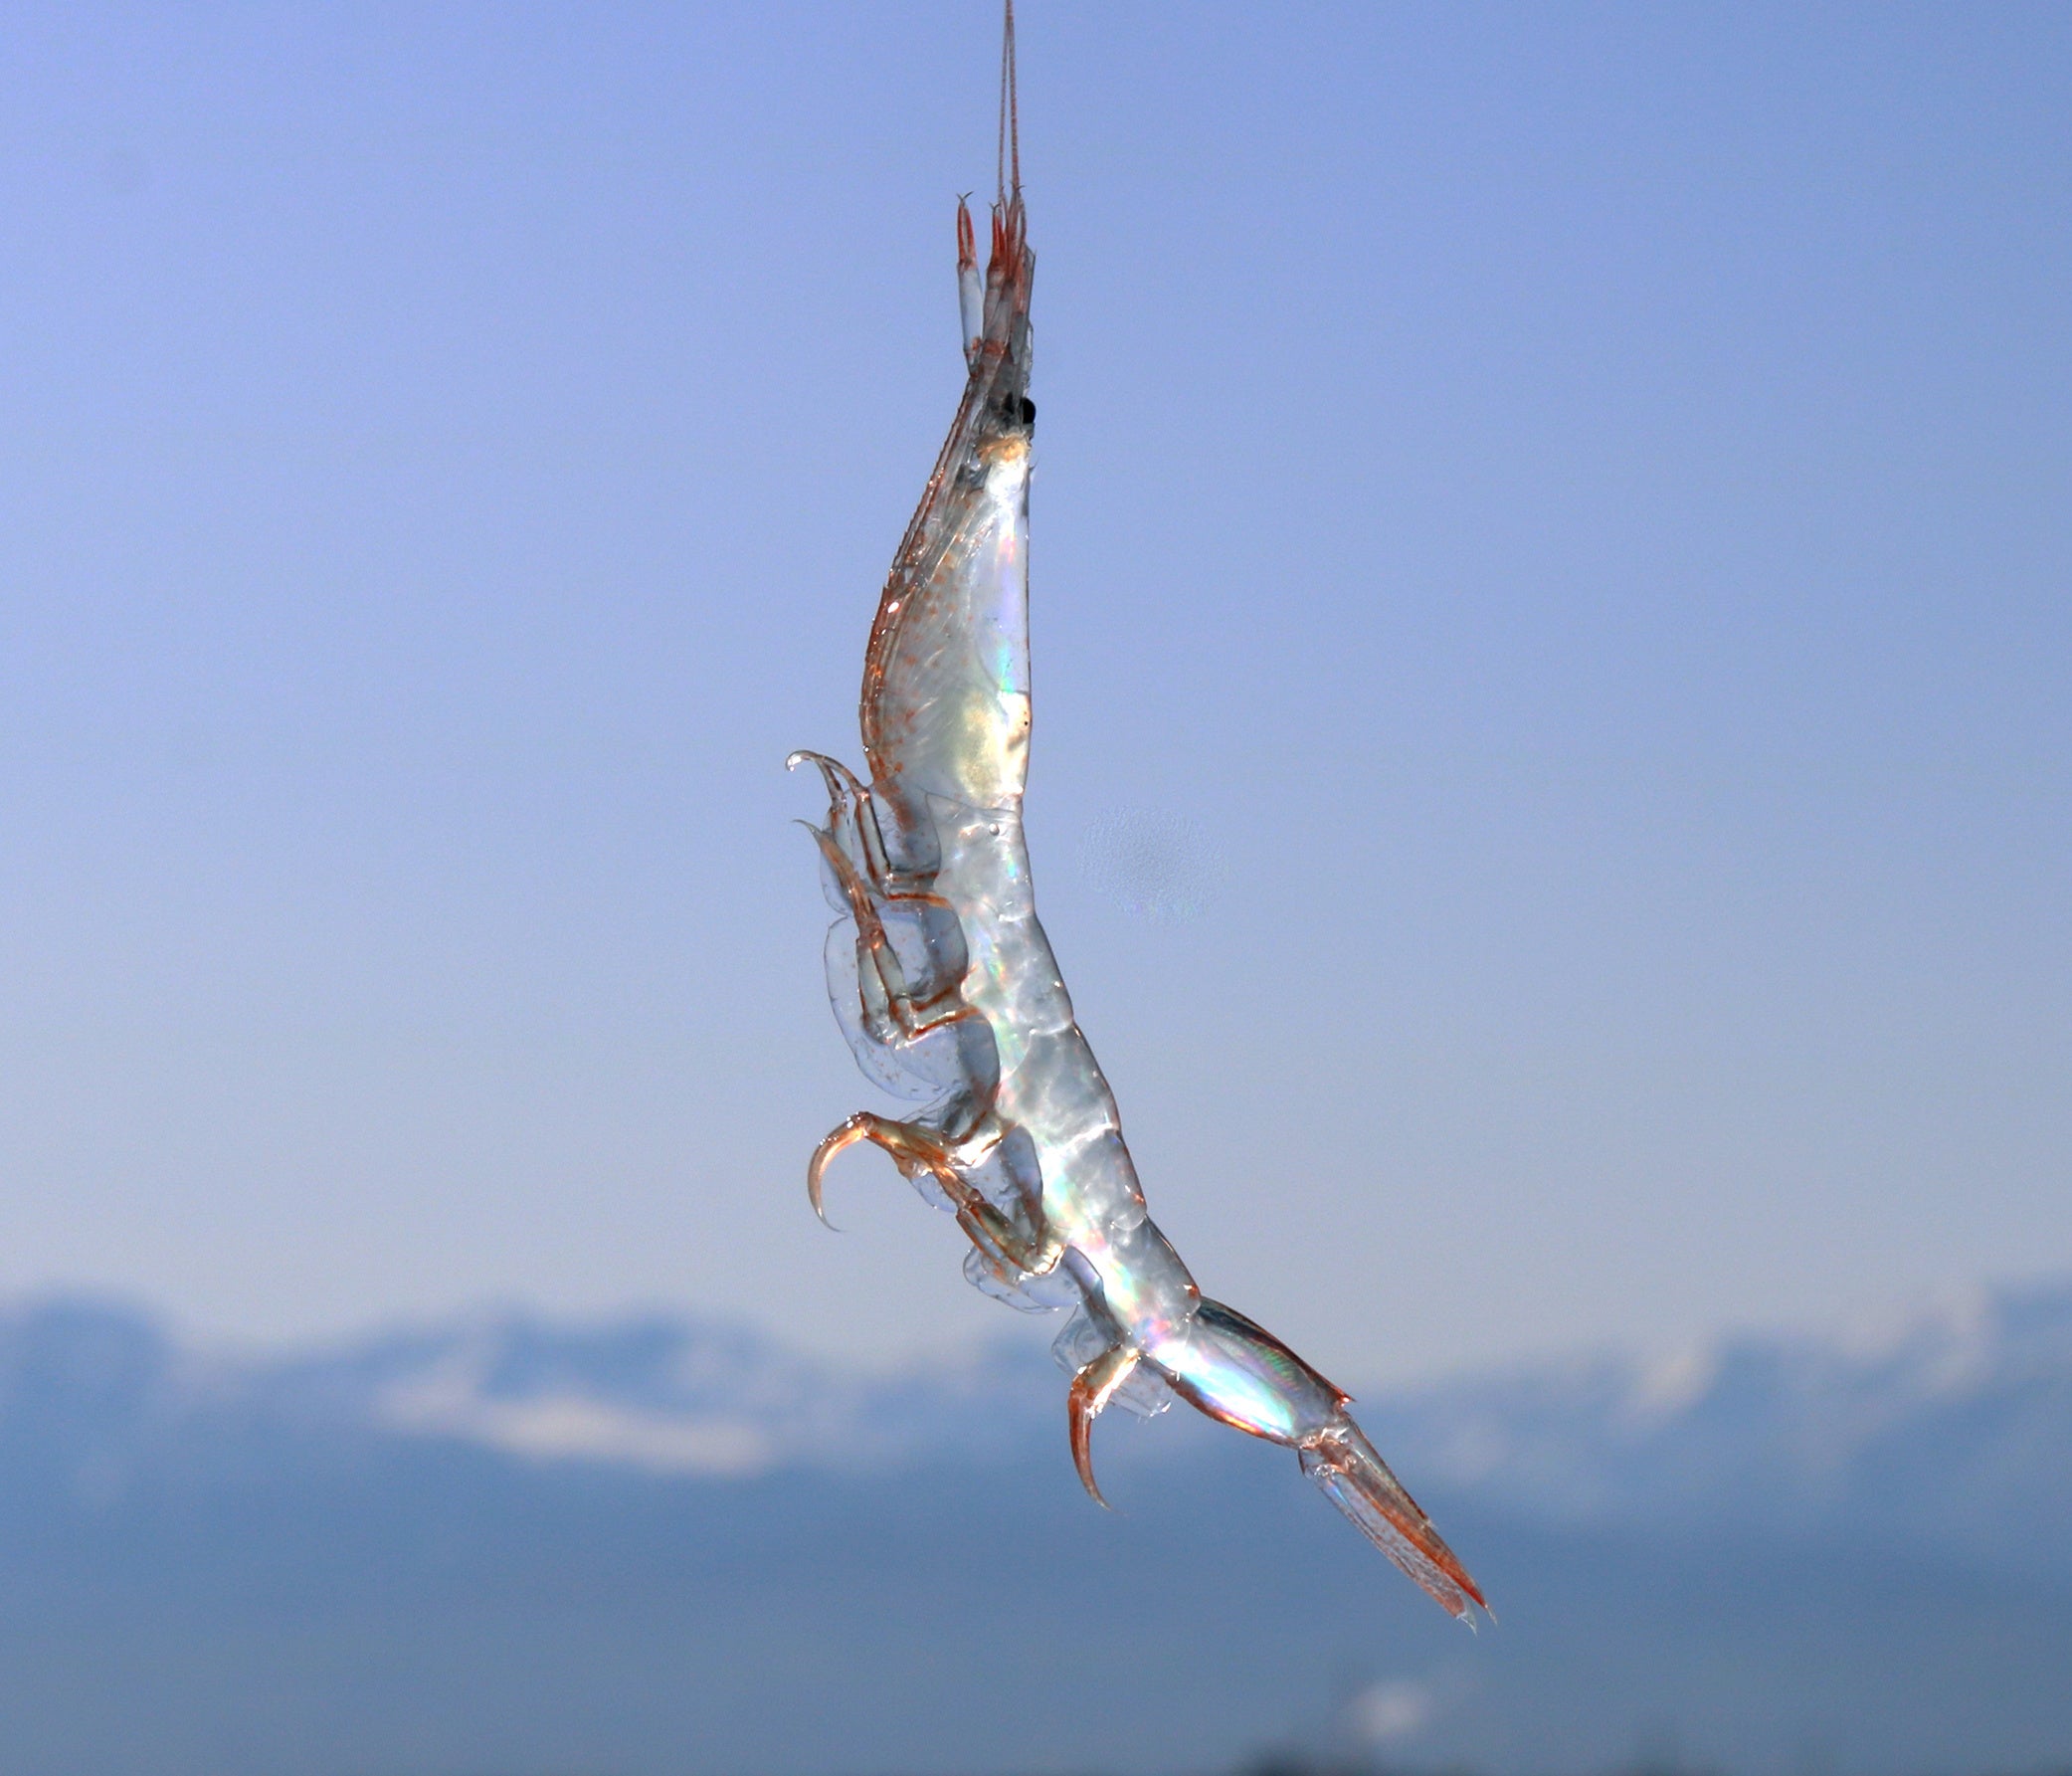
{"x":1092,"y":1388}
{"x":910,"y":1148}
{"x":839,"y":779}
{"x":855,"y":1129}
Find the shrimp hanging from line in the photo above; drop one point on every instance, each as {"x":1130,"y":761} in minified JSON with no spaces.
{"x":945,"y":985}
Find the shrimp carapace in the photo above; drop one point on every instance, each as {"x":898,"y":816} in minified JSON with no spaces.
{"x":945,"y":985}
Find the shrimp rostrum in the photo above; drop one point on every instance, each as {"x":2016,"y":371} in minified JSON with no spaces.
{"x":947,"y":990}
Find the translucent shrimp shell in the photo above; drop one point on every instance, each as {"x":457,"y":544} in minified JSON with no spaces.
{"x":946,"y":987}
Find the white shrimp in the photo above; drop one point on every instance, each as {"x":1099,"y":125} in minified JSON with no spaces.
{"x":946,"y":988}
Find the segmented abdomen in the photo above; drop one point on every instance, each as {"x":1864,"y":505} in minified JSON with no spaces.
{"x":1049,"y":1085}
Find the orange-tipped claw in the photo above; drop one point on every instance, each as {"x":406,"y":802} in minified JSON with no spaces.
{"x":857,"y":1128}
{"x":1092,"y":1388}
{"x":910,"y":1148}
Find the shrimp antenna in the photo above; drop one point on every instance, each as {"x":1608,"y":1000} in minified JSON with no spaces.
{"x":1008,"y":171}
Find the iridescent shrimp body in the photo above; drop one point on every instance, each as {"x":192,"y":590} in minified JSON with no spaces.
{"x":948,"y":992}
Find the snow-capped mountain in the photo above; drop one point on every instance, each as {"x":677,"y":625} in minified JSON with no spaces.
{"x":1951,"y":1428}
{"x":652,"y":1393}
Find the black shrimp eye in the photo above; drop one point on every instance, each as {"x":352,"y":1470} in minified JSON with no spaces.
{"x":1028,"y":411}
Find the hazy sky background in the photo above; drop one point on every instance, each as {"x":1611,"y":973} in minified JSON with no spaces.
{"x":1573,"y":505}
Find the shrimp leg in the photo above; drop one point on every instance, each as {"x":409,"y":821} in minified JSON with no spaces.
{"x":850,"y":809}
{"x":917,"y":1149}
{"x":909,"y":1011}
{"x":854,"y":851}
{"x":1092,"y":1388}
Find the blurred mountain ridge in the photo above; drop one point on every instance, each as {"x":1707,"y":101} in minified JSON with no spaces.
{"x":1863,"y":1439}
{"x":656,"y":1546}
{"x":1867,"y":1439}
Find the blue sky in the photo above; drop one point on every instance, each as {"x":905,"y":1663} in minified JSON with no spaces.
{"x":1569,"y":505}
